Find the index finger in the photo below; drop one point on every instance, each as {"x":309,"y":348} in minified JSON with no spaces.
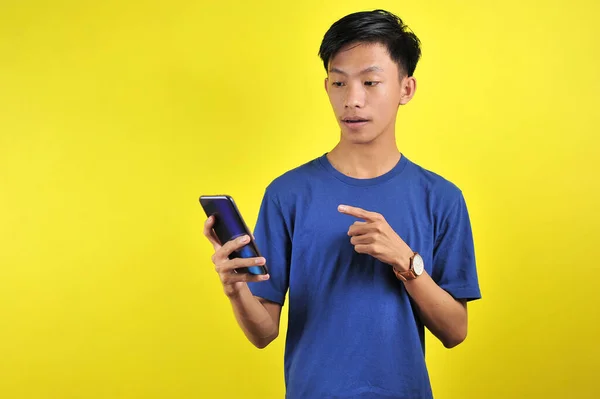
{"x":358,"y":212}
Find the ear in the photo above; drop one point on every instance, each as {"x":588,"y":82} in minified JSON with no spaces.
{"x":409,"y":86}
{"x":326,"y":83}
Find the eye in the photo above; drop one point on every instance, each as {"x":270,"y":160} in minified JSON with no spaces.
{"x":338,"y":84}
{"x":371,"y":83}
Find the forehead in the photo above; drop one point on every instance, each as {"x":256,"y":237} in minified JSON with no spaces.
{"x":357,"y":57}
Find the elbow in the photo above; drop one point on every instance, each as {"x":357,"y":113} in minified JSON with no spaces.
{"x":452,"y":343}
{"x":262,"y":343}
{"x":455,"y":339}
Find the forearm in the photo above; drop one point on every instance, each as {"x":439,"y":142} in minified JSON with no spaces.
{"x":253,"y":318}
{"x":443,"y":315}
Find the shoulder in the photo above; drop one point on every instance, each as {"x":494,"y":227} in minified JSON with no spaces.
{"x":295,"y":180}
{"x":436,"y":186}
{"x":445,"y":200}
{"x":285,"y":193}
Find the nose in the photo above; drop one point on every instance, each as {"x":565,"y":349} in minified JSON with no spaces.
{"x":355,"y":96}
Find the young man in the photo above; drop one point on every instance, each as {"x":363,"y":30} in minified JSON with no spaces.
{"x":370,"y":247}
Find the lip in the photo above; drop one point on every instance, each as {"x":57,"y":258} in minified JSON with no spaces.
{"x":354,"y":125}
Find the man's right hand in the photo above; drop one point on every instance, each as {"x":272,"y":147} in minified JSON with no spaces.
{"x":232,"y":281}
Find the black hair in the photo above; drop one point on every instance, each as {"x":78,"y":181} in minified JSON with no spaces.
{"x":378,"y":26}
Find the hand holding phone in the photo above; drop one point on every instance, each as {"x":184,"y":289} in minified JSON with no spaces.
{"x":236,"y":258}
{"x":228,"y":266}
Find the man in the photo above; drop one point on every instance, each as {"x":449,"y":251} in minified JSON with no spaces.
{"x":369,"y":246}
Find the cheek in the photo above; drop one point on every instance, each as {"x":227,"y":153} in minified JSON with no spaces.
{"x":335,"y":100}
{"x":387,"y":104}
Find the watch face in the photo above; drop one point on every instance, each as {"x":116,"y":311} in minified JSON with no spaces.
{"x":418,"y":264}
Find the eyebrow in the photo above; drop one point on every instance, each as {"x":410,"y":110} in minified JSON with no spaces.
{"x":369,"y":69}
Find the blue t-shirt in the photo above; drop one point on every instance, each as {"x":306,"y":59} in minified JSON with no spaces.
{"x":352,"y":330}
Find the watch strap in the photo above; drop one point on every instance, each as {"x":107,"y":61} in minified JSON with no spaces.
{"x":408,"y":274}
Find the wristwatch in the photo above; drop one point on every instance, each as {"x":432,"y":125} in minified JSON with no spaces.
{"x":414,"y":270}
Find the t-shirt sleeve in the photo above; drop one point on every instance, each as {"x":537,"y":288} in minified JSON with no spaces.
{"x":454,"y":266}
{"x":272,"y":237}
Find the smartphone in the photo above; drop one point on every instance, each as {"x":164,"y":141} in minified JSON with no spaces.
{"x":229,"y":224}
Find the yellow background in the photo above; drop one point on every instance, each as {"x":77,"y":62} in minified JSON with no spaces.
{"x":115,"y":116}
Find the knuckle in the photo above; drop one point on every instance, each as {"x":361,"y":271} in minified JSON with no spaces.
{"x":226,"y":248}
{"x":222,"y":252}
{"x":218,"y":268}
{"x":228,"y":277}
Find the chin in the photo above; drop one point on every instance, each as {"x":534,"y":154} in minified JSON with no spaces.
{"x":360,"y":141}
{"x":354,"y":137}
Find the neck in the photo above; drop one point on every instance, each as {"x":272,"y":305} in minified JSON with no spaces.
{"x":365,"y":161}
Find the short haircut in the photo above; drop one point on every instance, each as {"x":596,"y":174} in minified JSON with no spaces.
{"x":378,"y":26}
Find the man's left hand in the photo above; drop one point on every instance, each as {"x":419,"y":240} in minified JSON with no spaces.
{"x":374,"y":236}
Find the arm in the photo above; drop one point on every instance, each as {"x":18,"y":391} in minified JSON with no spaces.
{"x":258,"y":319}
{"x":441,"y":313}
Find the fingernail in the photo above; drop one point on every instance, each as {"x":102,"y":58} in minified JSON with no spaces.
{"x":264,"y":277}
{"x":342,"y":208}
{"x":243,"y":239}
